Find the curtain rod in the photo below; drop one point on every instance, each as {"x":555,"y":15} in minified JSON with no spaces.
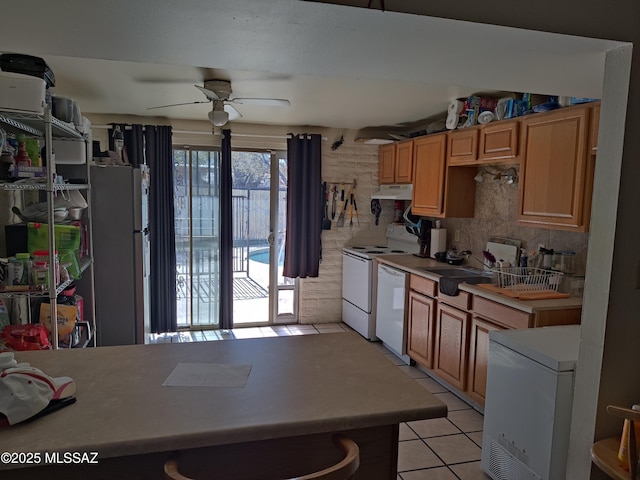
{"x":202,"y":132}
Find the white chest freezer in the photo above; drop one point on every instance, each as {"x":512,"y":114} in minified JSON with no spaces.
{"x":527,"y":416}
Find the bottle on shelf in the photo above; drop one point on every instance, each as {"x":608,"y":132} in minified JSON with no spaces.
{"x":22,"y":159}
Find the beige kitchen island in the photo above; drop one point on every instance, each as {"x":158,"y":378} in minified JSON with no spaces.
{"x":299,"y":391}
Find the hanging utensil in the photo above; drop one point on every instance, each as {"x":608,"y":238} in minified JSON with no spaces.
{"x":355,"y":207}
{"x":376,"y":208}
{"x":351,"y":211}
{"x":334,"y":200}
{"x":326,"y":223}
{"x":342,"y":209}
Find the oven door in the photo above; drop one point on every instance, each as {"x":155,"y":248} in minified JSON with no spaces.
{"x":356,"y":281}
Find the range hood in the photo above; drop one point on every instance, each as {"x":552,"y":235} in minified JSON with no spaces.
{"x":394,"y":192}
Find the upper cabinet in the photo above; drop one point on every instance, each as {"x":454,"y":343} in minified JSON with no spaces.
{"x":439,"y":191}
{"x":396,"y":162}
{"x":387,"y":156}
{"x":492,"y":143}
{"x":462,"y":147}
{"x":499,"y":142}
{"x":554,"y":172}
{"x":429,"y":175}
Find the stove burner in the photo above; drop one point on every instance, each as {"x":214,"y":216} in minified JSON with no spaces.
{"x":374,"y":251}
{"x":358,"y":248}
{"x":398,"y":251}
{"x":380,"y":246}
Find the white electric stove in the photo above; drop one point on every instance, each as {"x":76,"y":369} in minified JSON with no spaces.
{"x":359,"y":277}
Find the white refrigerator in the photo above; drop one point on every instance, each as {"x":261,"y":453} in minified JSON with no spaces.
{"x":527,"y":413}
{"x":121,"y":253}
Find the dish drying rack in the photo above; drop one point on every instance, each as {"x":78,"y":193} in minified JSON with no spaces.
{"x":525,"y":280}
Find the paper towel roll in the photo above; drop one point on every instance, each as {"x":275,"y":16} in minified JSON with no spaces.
{"x":438,"y":241}
{"x":453,"y":114}
{"x":456,"y":107}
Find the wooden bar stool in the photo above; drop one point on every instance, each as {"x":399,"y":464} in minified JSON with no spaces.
{"x":604,"y":453}
{"x":343,"y":470}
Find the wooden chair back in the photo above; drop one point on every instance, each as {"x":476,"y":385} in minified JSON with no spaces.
{"x":343,"y":470}
{"x":604,"y":453}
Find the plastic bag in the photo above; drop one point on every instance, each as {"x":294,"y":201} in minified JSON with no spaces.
{"x":25,"y":337}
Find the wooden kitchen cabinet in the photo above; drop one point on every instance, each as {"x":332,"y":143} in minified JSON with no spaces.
{"x":489,"y":316}
{"x":387,"y":158}
{"x":462,"y":147}
{"x":595,"y":124}
{"x":499,"y":142}
{"x":420,"y":330}
{"x":451,"y":347}
{"x":554,"y":189}
{"x":404,"y":161}
{"x":396,"y":162}
{"x":439,"y":191}
{"x":479,"y":357}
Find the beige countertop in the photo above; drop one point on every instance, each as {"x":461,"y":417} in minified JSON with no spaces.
{"x":413,"y":264}
{"x":297,"y":385}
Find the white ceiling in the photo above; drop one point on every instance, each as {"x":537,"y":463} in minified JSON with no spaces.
{"x":339,"y":66}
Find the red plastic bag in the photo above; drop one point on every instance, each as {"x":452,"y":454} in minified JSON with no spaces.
{"x":26,"y":337}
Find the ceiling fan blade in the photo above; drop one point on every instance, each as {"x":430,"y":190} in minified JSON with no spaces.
{"x":178,"y":104}
{"x":262,"y":102}
{"x":233,"y":113}
{"x":210,"y":94}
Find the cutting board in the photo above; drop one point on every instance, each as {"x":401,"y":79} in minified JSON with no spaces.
{"x":503,"y":251}
{"x":543,"y":295}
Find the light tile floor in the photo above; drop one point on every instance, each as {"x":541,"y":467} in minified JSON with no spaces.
{"x":437,"y":449}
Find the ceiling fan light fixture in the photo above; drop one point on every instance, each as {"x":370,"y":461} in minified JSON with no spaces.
{"x":219,"y":117}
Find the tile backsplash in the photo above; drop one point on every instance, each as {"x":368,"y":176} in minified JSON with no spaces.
{"x":495,"y":214}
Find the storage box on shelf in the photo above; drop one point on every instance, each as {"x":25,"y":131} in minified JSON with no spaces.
{"x":49,"y":236}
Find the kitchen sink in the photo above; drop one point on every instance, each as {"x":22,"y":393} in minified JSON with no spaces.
{"x":458,"y":272}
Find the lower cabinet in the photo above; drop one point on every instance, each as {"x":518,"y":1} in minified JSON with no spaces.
{"x":449,"y":335}
{"x":421,"y":328}
{"x":478,"y":357}
{"x":451,"y":347}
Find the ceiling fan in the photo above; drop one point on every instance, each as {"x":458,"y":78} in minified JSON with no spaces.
{"x":219,"y":93}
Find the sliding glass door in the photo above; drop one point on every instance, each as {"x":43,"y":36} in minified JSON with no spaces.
{"x":261,"y":295}
{"x":197,"y":206}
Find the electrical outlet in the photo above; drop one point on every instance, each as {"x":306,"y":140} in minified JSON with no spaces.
{"x":456,"y":236}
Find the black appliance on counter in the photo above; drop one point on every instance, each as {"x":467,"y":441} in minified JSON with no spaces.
{"x":420,"y":227}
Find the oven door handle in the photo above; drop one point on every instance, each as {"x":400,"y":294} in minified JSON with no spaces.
{"x":355,"y":257}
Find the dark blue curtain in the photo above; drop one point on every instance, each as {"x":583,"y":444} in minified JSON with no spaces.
{"x":226,"y":234}
{"x":302,"y":248}
{"x":159,"y":157}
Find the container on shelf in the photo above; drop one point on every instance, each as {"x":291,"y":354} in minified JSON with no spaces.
{"x":40,"y":256}
{"x":40,"y":273}
{"x":67,"y":237}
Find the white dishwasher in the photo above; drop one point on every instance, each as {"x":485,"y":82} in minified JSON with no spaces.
{"x":391,"y":321}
